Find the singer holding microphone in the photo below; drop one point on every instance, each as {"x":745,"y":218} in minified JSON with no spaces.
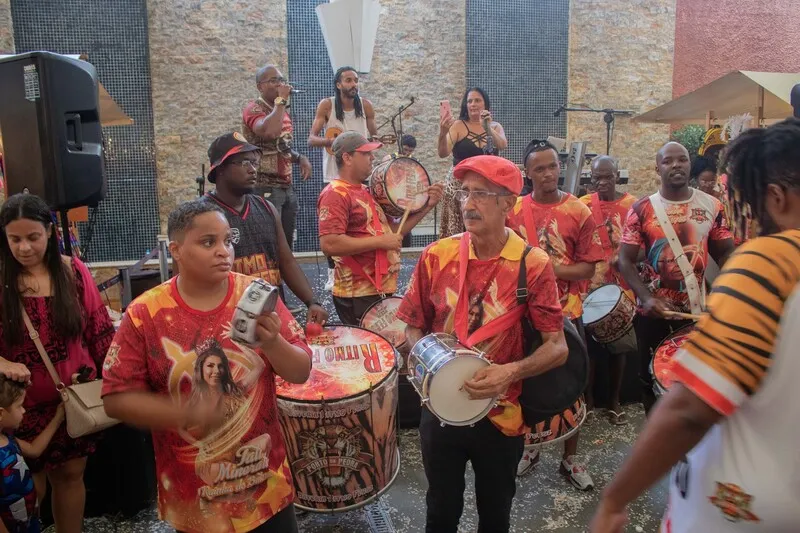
{"x":474,"y":133}
{"x":267,"y":125}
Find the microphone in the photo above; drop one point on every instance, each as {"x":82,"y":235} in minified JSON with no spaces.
{"x":298,"y":91}
{"x":558,"y":111}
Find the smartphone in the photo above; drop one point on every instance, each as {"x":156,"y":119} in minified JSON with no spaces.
{"x":444,"y":109}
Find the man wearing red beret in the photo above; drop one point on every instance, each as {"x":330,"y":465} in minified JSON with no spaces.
{"x":460,"y":285}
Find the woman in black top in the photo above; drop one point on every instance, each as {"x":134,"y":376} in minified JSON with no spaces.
{"x":474,"y":133}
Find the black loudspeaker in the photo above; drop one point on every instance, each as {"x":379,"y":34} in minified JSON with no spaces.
{"x":50,"y":126}
{"x":796,"y":100}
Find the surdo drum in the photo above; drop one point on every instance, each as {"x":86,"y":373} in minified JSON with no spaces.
{"x":398,"y":181}
{"x":608,"y":314}
{"x":381,"y":318}
{"x":438,"y":366}
{"x":661,"y":365}
{"x":340,"y":425}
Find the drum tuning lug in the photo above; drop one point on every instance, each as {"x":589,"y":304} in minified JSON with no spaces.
{"x":442,"y":424}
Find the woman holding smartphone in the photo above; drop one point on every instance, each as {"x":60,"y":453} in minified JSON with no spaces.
{"x":474,"y":133}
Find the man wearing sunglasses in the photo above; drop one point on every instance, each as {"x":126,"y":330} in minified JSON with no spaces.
{"x":466,"y":285}
{"x":266,"y":124}
{"x":260,"y":246}
{"x":562,"y":226}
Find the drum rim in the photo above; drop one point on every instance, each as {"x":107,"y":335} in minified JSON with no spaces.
{"x":361,"y":321}
{"x":393,"y":370}
{"x":388,"y":164}
{"x":583,"y":305}
{"x":675,"y":333}
{"x":359,"y":504}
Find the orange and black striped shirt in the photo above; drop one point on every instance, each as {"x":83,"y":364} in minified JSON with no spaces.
{"x":726,"y":359}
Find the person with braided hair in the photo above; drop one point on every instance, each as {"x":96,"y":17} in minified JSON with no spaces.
{"x":727,"y":425}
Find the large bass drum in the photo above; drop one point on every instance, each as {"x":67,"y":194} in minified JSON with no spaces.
{"x":340,"y":425}
{"x":398,"y":181}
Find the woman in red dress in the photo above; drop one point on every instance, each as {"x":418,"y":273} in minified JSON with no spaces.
{"x":60,"y":296}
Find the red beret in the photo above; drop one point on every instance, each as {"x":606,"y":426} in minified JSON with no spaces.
{"x":498,"y":170}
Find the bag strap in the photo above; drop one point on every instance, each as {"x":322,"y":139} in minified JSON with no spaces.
{"x":602,"y":230}
{"x":696,"y":296}
{"x":42,"y":352}
{"x":522,"y":283}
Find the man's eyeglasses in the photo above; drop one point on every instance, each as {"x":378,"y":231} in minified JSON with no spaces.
{"x":275,"y":81}
{"x":480,"y":197}
{"x":244,"y":163}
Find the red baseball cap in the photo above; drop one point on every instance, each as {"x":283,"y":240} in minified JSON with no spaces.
{"x":498,"y":170}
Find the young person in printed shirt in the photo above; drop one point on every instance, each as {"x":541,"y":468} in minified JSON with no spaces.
{"x":699,"y":222}
{"x":259,"y":243}
{"x":209,"y":400}
{"x":609,"y":210}
{"x":728,"y":427}
{"x":440,"y":300}
{"x":19,"y":508}
{"x":354,"y":230}
{"x":563,"y":227}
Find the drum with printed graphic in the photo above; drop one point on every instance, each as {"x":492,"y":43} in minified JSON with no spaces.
{"x":661,"y":366}
{"x":398,"y":181}
{"x":340,"y":425}
{"x":381,"y":318}
{"x":559,"y":427}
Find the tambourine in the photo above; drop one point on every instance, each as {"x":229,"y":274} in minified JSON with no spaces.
{"x":259,"y":298}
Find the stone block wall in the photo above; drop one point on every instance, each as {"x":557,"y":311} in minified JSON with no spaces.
{"x":621,"y":57}
{"x":6,"y":28}
{"x":203,"y":57}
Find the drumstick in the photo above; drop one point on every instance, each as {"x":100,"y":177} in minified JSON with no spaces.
{"x":689,"y":316}
{"x":405,"y":216}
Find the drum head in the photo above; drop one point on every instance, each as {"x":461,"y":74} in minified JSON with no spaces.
{"x":600,"y":302}
{"x":661,"y":367}
{"x":447,"y":399}
{"x":556,"y":390}
{"x":346,"y":361}
{"x":381,"y":317}
{"x":406,"y":181}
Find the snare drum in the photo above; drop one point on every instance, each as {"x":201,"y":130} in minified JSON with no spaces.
{"x":398,"y":181}
{"x":608,"y":314}
{"x":559,"y":427}
{"x":661,"y":365}
{"x":438,"y":366}
{"x":340,"y":425}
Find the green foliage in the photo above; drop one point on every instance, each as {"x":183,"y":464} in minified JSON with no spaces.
{"x":691,"y":136}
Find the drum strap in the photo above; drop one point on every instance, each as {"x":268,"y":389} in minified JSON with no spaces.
{"x":491,"y":328}
{"x":695,"y":293}
{"x":602,"y":230}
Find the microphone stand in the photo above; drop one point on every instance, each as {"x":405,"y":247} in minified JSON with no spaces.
{"x":398,"y":132}
{"x":609,"y":115}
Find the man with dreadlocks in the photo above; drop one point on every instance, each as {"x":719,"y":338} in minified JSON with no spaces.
{"x":728,"y":425}
{"x":345,"y":111}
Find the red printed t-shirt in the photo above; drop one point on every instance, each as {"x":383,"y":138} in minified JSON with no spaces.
{"x":346,"y":209}
{"x":231,"y":478}
{"x":431,"y":299}
{"x":613,"y":215}
{"x":695,"y":221}
{"x":276,"y":164}
{"x":566,"y":232}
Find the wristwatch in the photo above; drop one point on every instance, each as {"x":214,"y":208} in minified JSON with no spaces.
{"x":280,"y":100}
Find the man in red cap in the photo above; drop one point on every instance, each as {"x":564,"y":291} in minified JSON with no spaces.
{"x":465,"y":285}
{"x":562,"y":226}
{"x":354,"y":231}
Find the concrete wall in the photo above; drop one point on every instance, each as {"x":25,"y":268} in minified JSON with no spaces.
{"x":714,"y":37}
{"x":203,"y":57}
{"x":621,"y":57}
{"x":6,"y":28}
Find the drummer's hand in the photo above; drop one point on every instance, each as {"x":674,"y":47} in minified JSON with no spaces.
{"x":490,"y":382}
{"x":390,"y":241}
{"x":268,"y":329}
{"x":317,"y":313}
{"x":445,"y":123}
{"x":435,"y":193}
{"x":656,"y":307}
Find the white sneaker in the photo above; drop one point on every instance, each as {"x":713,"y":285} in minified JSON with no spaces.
{"x":576,"y":472}
{"x":329,"y":283}
{"x":529,"y":460}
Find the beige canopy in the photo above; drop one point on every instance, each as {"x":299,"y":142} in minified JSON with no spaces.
{"x":111,"y":114}
{"x":765,"y":95}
